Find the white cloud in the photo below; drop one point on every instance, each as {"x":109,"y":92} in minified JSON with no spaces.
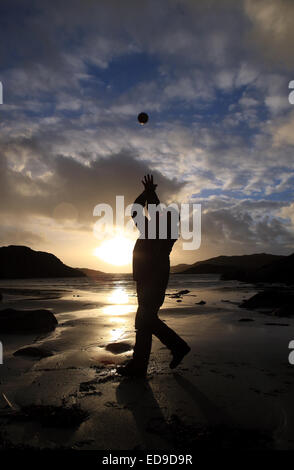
{"x":69,"y":137}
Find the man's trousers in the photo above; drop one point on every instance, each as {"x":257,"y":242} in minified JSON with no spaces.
{"x":151,"y":295}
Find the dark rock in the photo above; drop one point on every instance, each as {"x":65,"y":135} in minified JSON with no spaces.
{"x":271,"y":299}
{"x":179,"y":300}
{"x":245,"y":319}
{"x":88,"y":386}
{"x":33,"y":351}
{"x":202,"y":302}
{"x":118,"y":348}
{"x":178,"y":295}
{"x":27,"y":321}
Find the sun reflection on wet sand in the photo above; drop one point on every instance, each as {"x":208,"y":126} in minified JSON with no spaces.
{"x":119,"y":296}
{"x":118,"y":309}
{"x":119,"y":313}
{"x":119,"y":300}
{"x":117,"y":334}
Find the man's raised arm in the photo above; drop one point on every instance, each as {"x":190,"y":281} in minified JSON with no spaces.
{"x":148,"y":195}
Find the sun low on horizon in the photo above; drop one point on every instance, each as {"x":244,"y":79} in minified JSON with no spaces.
{"x":116,"y":251}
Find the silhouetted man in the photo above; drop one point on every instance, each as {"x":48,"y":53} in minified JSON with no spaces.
{"x":151,"y":268}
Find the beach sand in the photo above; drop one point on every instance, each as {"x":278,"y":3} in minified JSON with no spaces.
{"x":234,"y":389}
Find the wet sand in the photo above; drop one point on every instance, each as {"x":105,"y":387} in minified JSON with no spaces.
{"x":234,"y":389}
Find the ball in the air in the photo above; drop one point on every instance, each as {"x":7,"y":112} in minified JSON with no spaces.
{"x":143,"y":118}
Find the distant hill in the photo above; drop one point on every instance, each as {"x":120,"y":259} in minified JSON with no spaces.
{"x":94,"y":273}
{"x":178,"y":268}
{"x":279,"y":271}
{"x":19,"y":262}
{"x":230,"y":266}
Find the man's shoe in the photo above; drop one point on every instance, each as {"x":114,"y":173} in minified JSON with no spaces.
{"x":131,"y":371}
{"x":178,"y":356}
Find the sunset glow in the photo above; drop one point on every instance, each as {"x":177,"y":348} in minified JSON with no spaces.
{"x":116,"y":251}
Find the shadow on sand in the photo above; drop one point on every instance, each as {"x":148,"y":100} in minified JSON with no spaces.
{"x":160,"y":431}
{"x":214,"y":415}
{"x":137,"y":396}
{"x":157,"y":430}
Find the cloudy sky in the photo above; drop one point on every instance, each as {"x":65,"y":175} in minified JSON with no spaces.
{"x":213,"y":77}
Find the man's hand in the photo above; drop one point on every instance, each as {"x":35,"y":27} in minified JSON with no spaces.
{"x":148,"y":195}
{"x":148,"y":183}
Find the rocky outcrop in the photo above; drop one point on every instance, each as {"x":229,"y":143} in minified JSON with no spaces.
{"x":279,"y":302}
{"x":26,"y":321}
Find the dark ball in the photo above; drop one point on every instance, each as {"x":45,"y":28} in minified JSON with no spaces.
{"x":143,"y":118}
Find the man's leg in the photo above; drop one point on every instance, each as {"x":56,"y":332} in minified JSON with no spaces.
{"x":167,"y":336}
{"x":142,"y":348}
{"x":151,"y":297}
{"x":178,"y":347}
{"x":139,"y":363}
